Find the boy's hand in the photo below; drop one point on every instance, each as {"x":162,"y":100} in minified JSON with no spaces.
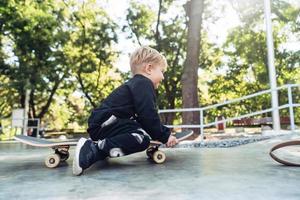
{"x":172,"y":141}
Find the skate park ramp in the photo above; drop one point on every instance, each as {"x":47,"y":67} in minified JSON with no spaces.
{"x":240,"y":172}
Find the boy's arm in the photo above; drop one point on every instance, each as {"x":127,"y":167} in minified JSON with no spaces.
{"x":145,"y":107}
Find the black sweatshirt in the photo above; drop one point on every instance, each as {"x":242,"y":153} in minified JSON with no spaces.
{"x":134,"y":99}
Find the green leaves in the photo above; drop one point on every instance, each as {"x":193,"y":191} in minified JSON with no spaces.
{"x":246,"y":58}
{"x":89,"y":51}
{"x":140,"y":19}
{"x":53,"y":45}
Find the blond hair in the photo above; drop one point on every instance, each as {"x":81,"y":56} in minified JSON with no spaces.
{"x":146,"y":55}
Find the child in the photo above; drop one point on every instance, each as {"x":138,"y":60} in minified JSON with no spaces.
{"x":127,"y":119}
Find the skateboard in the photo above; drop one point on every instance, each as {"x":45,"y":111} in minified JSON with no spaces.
{"x":155,"y":154}
{"x":61,"y":149}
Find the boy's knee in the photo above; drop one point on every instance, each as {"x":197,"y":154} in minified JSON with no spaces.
{"x":142,"y":139}
{"x":94,"y":135}
{"x":146,"y":141}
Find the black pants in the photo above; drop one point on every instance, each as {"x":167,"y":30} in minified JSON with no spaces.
{"x":123,"y":134}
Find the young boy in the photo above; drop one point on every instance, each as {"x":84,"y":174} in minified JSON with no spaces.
{"x":127,"y":119}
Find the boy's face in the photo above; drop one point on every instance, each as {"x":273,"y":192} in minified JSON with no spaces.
{"x":156,"y":74}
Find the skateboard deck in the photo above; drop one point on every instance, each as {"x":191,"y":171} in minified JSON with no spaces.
{"x":159,"y":156}
{"x":61,"y":148}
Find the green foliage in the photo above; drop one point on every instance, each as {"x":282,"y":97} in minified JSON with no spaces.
{"x":139,"y":17}
{"x":31,"y":31}
{"x":246,"y":60}
{"x":55,"y":48}
{"x":89,"y":51}
{"x":8,"y":97}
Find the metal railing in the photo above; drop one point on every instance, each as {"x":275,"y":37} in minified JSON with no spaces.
{"x":201,"y":110}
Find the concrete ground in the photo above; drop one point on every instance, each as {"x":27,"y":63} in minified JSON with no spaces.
{"x":243,"y":172}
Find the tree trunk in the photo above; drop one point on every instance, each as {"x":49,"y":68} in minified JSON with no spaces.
{"x":52,"y":93}
{"x":85,"y":91}
{"x":194,"y":10}
{"x":167,"y":118}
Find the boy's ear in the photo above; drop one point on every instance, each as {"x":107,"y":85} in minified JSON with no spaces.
{"x":148,"y":69}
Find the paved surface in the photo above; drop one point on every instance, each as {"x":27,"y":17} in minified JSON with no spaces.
{"x":243,"y":172}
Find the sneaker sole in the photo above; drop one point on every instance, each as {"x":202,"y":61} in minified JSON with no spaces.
{"x":77,"y":170}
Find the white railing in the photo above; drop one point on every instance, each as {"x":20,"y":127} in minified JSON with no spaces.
{"x":203,"y":125}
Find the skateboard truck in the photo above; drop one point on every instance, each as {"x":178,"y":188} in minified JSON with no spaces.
{"x":61,"y":155}
{"x":159,"y":156}
{"x":156,"y":155}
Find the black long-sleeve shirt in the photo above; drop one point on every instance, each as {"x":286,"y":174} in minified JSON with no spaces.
{"x":134,"y":99}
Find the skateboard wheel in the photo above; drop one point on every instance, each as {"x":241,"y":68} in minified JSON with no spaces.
{"x":64,"y":156}
{"x":159,"y":157}
{"x":52,"y":160}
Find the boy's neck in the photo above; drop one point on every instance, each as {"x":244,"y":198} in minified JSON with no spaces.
{"x":143,"y":74}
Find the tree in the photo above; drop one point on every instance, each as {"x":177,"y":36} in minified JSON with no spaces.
{"x":89,"y":50}
{"x":246,"y":55}
{"x":33,"y":32}
{"x":194,"y":10}
{"x":55,"y":48}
